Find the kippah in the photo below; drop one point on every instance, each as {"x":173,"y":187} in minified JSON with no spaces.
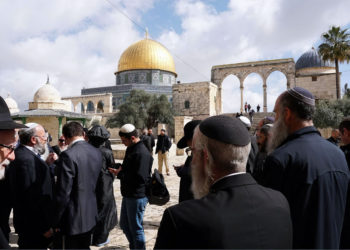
{"x":225,"y":129}
{"x":30,"y":126}
{"x":302,"y":95}
{"x":245,"y":121}
{"x":127,"y":128}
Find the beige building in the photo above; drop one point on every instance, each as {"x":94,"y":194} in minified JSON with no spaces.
{"x":316,"y":75}
{"x":49,"y":110}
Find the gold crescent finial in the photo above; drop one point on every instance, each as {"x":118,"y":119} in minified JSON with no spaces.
{"x":146,"y":33}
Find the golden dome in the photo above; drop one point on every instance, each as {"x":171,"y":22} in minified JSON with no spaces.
{"x":146,"y":54}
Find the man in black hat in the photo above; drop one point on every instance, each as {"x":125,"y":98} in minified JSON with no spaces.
{"x":184,"y":171}
{"x":308,"y":170}
{"x":231,"y":210}
{"x":8,"y":139}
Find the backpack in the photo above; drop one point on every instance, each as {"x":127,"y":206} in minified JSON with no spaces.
{"x":158,"y":193}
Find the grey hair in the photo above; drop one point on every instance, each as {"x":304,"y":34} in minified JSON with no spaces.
{"x":224,"y":157}
{"x":26,"y":134}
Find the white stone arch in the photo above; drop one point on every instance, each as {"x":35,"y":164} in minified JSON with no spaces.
{"x":100,"y":107}
{"x":79,"y":107}
{"x":272,"y":85}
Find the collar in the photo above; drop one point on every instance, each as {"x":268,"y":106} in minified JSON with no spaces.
{"x":229,"y":181}
{"x":32,"y":149}
{"x":228,"y":176}
{"x":300,"y":132}
{"x":75,"y":141}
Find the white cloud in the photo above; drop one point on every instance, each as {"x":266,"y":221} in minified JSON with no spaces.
{"x":79,"y":42}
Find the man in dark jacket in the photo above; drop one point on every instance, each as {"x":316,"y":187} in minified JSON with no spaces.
{"x":231,"y":210}
{"x":308,"y":170}
{"x":31,"y":189}
{"x":162,"y":149}
{"x":150,"y":134}
{"x":184,"y":171}
{"x":8,"y":140}
{"x":134,"y":176}
{"x":344,"y":129}
{"x":146,"y":139}
{"x":334,"y":138}
{"x":77,"y":172}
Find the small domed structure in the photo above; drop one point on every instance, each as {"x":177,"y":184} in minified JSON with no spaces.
{"x":47,"y":93}
{"x":48,"y":97}
{"x":11,"y":104}
{"x":312,"y":59}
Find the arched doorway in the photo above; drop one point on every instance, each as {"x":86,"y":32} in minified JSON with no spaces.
{"x":276,"y":83}
{"x":100,"y":106}
{"x":90,"y":107}
{"x":253,"y":91}
{"x":231,"y":94}
{"x":79,"y":108}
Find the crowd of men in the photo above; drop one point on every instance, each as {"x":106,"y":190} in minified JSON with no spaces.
{"x":283,"y":187}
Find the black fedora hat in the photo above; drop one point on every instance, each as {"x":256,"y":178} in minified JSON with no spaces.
{"x":6,"y":121}
{"x":188,"y":131}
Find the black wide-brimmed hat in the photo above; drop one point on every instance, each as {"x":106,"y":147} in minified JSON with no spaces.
{"x":188,"y":133}
{"x":98,"y":131}
{"x":6,"y":121}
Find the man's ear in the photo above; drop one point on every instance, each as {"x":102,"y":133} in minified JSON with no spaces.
{"x":288,"y":115}
{"x":33,"y":140}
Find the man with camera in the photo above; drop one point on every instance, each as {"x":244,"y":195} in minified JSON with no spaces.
{"x":134,"y":175}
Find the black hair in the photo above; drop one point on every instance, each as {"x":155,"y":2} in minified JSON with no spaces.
{"x":301,"y":109}
{"x":72,"y":129}
{"x":344,"y":124}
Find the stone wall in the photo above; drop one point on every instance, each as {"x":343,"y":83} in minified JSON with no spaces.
{"x":180,"y":122}
{"x":321,"y":86}
{"x":196,"y":99}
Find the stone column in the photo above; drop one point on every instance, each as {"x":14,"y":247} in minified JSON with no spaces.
{"x":241,"y":87}
{"x":265,"y":95}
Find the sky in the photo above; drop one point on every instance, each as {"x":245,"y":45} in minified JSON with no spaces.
{"x":78,"y":43}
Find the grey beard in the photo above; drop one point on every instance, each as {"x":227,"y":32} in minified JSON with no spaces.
{"x":40,"y":147}
{"x":201,"y":181}
{"x":279,"y":132}
{"x":3,"y":165}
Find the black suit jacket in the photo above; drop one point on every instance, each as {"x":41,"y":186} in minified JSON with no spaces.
{"x":237,"y":213}
{"x":31,"y":188}
{"x":77,"y":172}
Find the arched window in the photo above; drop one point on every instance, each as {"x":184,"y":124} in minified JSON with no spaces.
{"x":100,"y":105}
{"x":90,"y":107}
{"x":187,"y":104}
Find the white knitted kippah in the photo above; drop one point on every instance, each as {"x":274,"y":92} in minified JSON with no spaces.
{"x":245,"y":121}
{"x":30,"y":126}
{"x":127,"y":128}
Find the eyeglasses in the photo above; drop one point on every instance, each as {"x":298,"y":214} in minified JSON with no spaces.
{"x":10,"y":147}
{"x":42,"y":137}
{"x":61,"y":140}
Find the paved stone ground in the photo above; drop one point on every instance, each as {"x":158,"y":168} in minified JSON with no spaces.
{"x":153,"y":213}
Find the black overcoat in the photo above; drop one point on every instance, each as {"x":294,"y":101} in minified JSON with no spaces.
{"x":345,"y":234}
{"x":31,"y":186}
{"x":313,"y":175}
{"x":107,"y":208}
{"x":136,"y":171}
{"x":237,"y":213}
{"x":78,"y":169}
{"x":185,"y":192}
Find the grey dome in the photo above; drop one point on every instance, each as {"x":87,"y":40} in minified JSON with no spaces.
{"x":311,"y":59}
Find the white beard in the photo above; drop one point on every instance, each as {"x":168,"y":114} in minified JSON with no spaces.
{"x":3,"y":165}
{"x":279,"y":132}
{"x":201,"y":181}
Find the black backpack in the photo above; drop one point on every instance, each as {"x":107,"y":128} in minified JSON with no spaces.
{"x":158,"y":193}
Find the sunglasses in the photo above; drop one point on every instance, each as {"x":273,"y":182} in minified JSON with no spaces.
{"x":10,"y":147}
{"x":61,"y":140}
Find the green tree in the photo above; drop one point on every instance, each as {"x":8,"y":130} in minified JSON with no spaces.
{"x":336,"y":48}
{"x":327,"y":115}
{"x":142,"y":110}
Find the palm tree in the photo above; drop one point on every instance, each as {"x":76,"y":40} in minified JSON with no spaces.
{"x":336,"y":48}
